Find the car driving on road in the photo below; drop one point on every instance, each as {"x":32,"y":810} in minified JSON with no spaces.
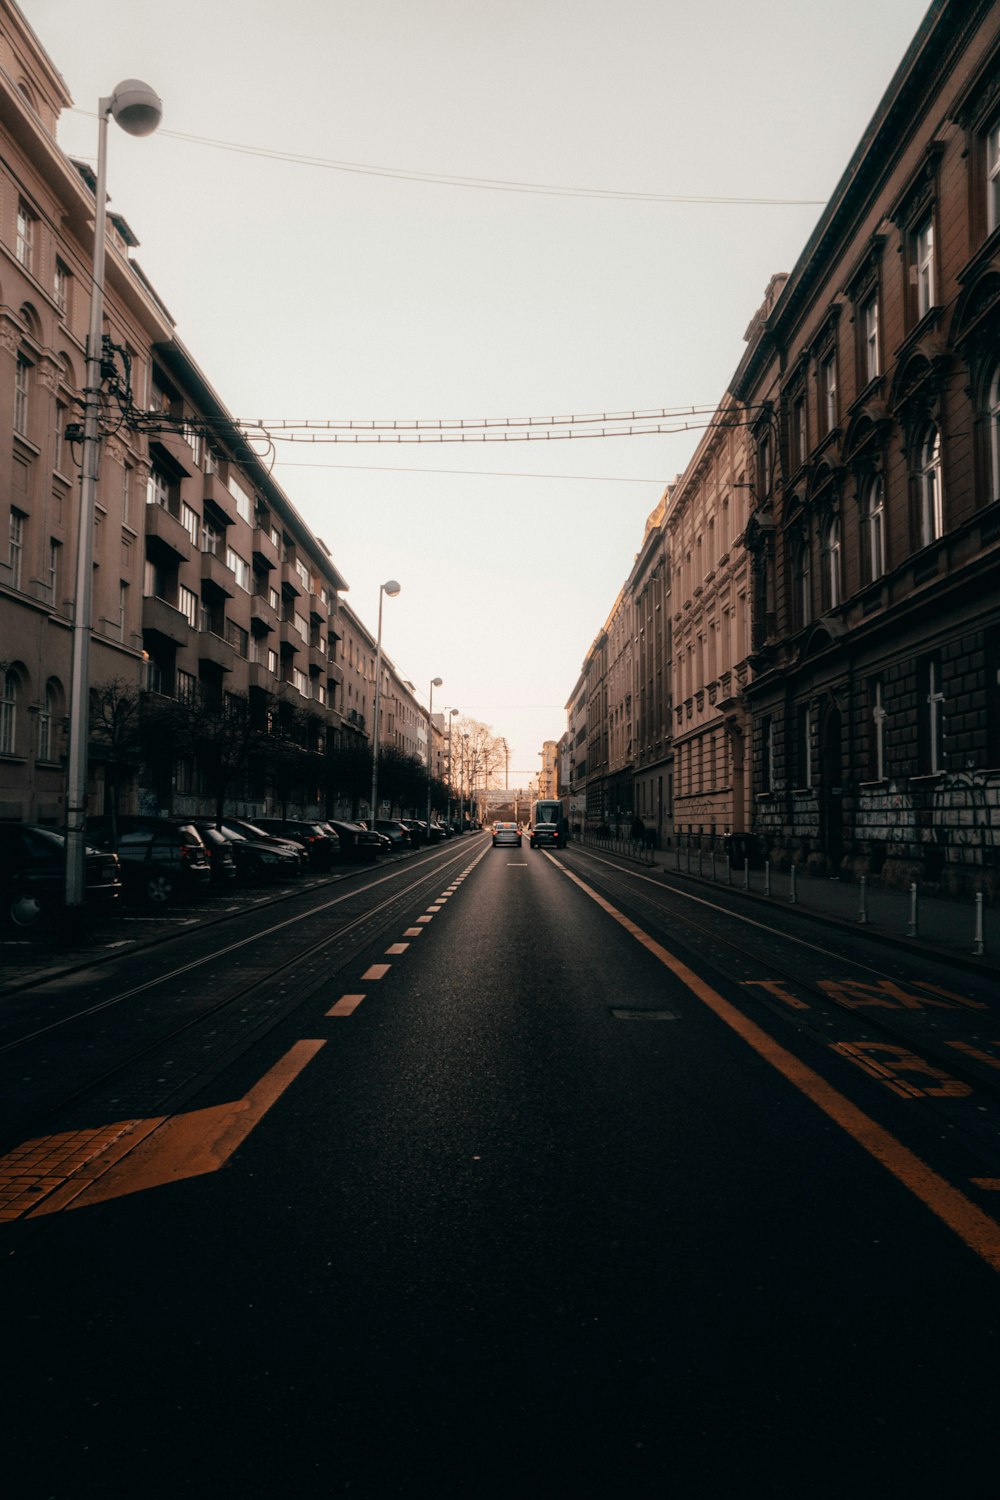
{"x":506,"y":833}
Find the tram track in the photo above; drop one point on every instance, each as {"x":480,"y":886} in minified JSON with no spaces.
{"x":806,"y":1003}
{"x":357,"y":931}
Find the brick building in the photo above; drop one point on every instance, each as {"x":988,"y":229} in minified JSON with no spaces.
{"x":872,"y":392}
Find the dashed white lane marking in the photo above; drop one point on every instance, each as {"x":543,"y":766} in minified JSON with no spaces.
{"x":396,"y":949}
{"x":377,"y":971}
{"x":412,"y":932}
{"x":425,"y":920}
{"x":345,"y":1005}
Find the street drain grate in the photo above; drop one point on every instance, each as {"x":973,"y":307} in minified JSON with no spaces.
{"x":644,"y":1015}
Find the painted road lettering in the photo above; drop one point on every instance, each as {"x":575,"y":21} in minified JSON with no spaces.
{"x":892,"y":1066}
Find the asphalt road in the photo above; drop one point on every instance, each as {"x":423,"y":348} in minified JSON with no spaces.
{"x":523,"y":1200}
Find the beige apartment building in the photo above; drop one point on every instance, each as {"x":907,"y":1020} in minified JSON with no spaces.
{"x":210,"y":593}
{"x":649,"y":586}
{"x":709,"y":590}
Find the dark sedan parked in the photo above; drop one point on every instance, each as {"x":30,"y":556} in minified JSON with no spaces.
{"x":318,"y":839}
{"x":162,"y":859}
{"x":357,"y":842}
{"x":254,"y":856}
{"x":33,"y":874}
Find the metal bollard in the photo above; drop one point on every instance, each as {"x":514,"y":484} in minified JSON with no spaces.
{"x":713,"y":861}
{"x":767,"y":877}
{"x":978,"y":946}
{"x":729,"y":869}
{"x":913,"y":928}
{"x":863,"y":912}
{"x":792,"y":897}
{"x":700,"y":856}
{"x":746,"y":874}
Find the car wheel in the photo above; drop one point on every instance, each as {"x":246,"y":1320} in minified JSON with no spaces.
{"x":25,"y":909}
{"x":159,"y":890}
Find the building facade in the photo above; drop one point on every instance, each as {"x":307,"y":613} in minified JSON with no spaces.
{"x":649,"y":586}
{"x":873,"y":397}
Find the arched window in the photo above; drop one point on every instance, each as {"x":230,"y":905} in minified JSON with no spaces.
{"x":930,"y":496}
{"x":873,"y":521}
{"x":831,"y":563}
{"x":8,"y":714}
{"x":47,"y":718}
{"x":994,"y":417}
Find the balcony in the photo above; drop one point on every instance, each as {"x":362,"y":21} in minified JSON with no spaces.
{"x":318,"y":607}
{"x":221,"y":501}
{"x":214,"y":651}
{"x":291,"y":583}
{"x":262,"y":617}
{"x":166,"y":538}
{"x":261,"y":678}
{"x":265,"y":553}
{"x":173,"y":446}
{"x":289,"y":637}
{"x":161,"y":619}
{"x":215,"y":573}
{"x":318,"y":661}
{"x":334,"y":673}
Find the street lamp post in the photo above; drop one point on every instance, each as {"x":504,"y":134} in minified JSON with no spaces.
{"x":435,"y":682}
{"x":451,"y":778}
{"x":392,"y":589}
{"x":138,"y":110}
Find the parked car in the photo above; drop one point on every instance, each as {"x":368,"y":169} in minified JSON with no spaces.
{"x":384,"y":841}
{"x":357,"y":842}
{"x":506,"y":833}
{"x":162,"y":859}
{"x":33,"y":874}
{"x":318,"y":839}
{"x":394,"y":831}
{"x":250,"y":830}
{"x":220,"y":854}
{"x":417,"y":830}
{"x":254,"y":857}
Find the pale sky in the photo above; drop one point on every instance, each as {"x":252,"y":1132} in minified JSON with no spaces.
{"x":305,"y":291}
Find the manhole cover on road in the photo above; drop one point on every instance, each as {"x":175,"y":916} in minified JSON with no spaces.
{"x":644,"y":1015}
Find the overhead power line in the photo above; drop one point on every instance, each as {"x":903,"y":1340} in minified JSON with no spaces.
{"x":488,"y":184}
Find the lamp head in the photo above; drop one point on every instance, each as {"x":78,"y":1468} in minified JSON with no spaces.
{"x":391,"y":588}
{"x":437,"y":682}
{"x":136,"y":108}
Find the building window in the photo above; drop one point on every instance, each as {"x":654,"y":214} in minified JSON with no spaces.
{"x":22,"y":382}
{"x":193,"y":439}
{"x":8,"y":714}
{"x":191,"y":522}
{"x":929,"y":487}
{"x":122,"y":608}
{"x":62,"y":281}
{"x":805,"y":726}
{"x":243,"y":498}
{"x":801,"y":584}
{"x":272,"y":662}
{"x":55,"y":560}
{"x":922,"y":269}
{"x":187,"y":603}
{"x":186,"y":687}
{"x":239,"y":568}
{"x":768,"y":767}
{"x":799,"y":439}
{"x":993,"y":178}
{"x":994,"y":439}
{"x":828,"y":390}
{"x":158,"y":489}
{"x":238,"y":638}
{"x":873,"y":522}
{"x":300,"y":681}
{"x":25,"y":240}
{"x":872,"y":363}
{"x":17,"y":519}
{"x":46,"y":717}
{"x":212,"y":539}
{"x":831,"y":563}
{"x":126,"y":494}
{"x":765,"y":466}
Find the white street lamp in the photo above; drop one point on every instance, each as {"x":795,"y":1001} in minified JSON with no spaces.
{"x":452,"y":712}
{"x":435,"y":682}
{"x":392,"y":589}
{"x":138,"y":110}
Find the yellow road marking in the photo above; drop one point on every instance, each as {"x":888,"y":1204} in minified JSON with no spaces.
{"x":975,"y":1228}
{"x":376,"y":971}
{"x":184,"y":1146}
{"x":346,"y":1005}
{"x":395,"y":949}
{"x":425,"y":919}
{"x":412,"y":932}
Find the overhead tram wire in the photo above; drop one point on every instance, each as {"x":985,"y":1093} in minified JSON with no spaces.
{"x":488,"y":184}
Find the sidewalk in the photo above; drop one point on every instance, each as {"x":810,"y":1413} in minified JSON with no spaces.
{"x":942,"y":927}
